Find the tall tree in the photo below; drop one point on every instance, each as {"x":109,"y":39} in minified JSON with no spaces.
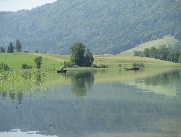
{"x":18,"y":46}
{"x":10,"y":48}
{"x":77,"y":53}
{"x":2,"y":50}
{"x":80,"y":56}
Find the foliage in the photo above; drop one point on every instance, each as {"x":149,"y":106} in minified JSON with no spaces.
{"x":138,"y":65}
{"x":18,"y":46}
{"x":12,"y":81}
{"x":79,"y":56}
{"x":162,"y":53}
{"x":99,"y":66}
{"x":38,"y":62}
{"x":10,"y":48}
{"x":104,"y":26}
{"x":89,"y":59}
{"x":2,"y":50}
{"x":26,"y":66}
{"x":4,"y":66}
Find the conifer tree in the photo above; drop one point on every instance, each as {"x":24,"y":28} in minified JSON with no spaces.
{"x":10,"y":48}
{"x":18,"y":46}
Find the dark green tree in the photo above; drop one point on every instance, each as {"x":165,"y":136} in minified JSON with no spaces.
{"x":163,"y":53}
{"x":179,"y":59}
{"x":2,"y":50}
{"x":89,"y":59}
{"x":10,"y":48}
{"x":146,"y":52}
{"x":80,"y":56}
{"x":18,"y":46}
{"x":38,"y":62}
{"x":77,"y":53}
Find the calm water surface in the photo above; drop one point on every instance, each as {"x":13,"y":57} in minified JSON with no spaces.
{"x":97,"y":103}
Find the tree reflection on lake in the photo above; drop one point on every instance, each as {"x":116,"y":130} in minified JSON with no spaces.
{"x":82,"y":82}
{"x":119,"y":104}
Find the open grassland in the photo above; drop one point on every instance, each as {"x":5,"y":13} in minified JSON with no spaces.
{"x":127,"y":61}
{"x":167,"y":40}
{"x":15,"y":60}
{"x":54,"y":61}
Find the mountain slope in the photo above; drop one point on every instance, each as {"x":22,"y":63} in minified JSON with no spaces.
{"x":167,"y":40}
{"x":104,"y":26}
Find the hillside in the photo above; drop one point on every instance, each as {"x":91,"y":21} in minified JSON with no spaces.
{"x":167,"y":40}
{"x":104,"y":26}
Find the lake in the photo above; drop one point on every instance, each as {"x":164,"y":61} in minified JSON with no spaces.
{"x":96,"y":103}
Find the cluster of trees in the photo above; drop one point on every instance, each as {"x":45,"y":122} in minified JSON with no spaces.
{"x":173,"y":55}
{"x":80,"y":55}
{"x":104,"y":26}
{"x":11,"y":48}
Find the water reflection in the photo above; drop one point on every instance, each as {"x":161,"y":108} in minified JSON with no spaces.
{"x":112,"y":108}
{"x":167,"y":82}
{"x":82,"y":82}
{"x":163,"y":79}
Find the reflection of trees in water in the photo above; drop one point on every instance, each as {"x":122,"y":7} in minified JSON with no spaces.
{"x":82,"y":82}
{"x":162,"y":79}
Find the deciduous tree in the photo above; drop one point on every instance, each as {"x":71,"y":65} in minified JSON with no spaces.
{"x":80,"y":56}
{"x":38,"y":62}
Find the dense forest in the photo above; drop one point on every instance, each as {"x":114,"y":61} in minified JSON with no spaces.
{"x":103,"y":26}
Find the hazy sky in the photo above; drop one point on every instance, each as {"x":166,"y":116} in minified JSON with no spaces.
{"x":15,"y":5}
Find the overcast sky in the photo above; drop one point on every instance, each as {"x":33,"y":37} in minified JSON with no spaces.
{"x":15,"y":5}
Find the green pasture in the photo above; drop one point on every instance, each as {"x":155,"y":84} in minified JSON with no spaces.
{"x":54,"y":61}
{"x":113,"y":61}
{"x":15,"y":60}
{"x":166,"y":40}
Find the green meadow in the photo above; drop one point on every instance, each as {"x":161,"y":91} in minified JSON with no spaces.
{"x":15,"y":60}
{"x":54,"y":61}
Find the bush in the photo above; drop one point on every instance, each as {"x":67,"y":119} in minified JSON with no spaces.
{"x":4,"y":66}
{"x":138,"y":65}
{"x":94,"y":66}
{"x":99,"y":66}
{"x":119,"y":65}
{"x":25,"y":66}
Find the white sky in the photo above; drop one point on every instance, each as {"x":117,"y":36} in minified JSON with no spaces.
{"x":15,"y":5}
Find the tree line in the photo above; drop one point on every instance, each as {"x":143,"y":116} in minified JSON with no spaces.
{"x":167,"y":54}
{"x":11,"y":48}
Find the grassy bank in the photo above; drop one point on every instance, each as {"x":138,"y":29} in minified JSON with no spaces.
{"x":54,"y":61}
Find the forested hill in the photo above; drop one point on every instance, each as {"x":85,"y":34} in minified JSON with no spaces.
{"x":104,"y":26}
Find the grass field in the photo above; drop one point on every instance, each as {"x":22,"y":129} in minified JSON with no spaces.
{"x":127,"y":61}
{"x":167,"y":40}
{"x":15,"y":60}
{"x":54,"y":61}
